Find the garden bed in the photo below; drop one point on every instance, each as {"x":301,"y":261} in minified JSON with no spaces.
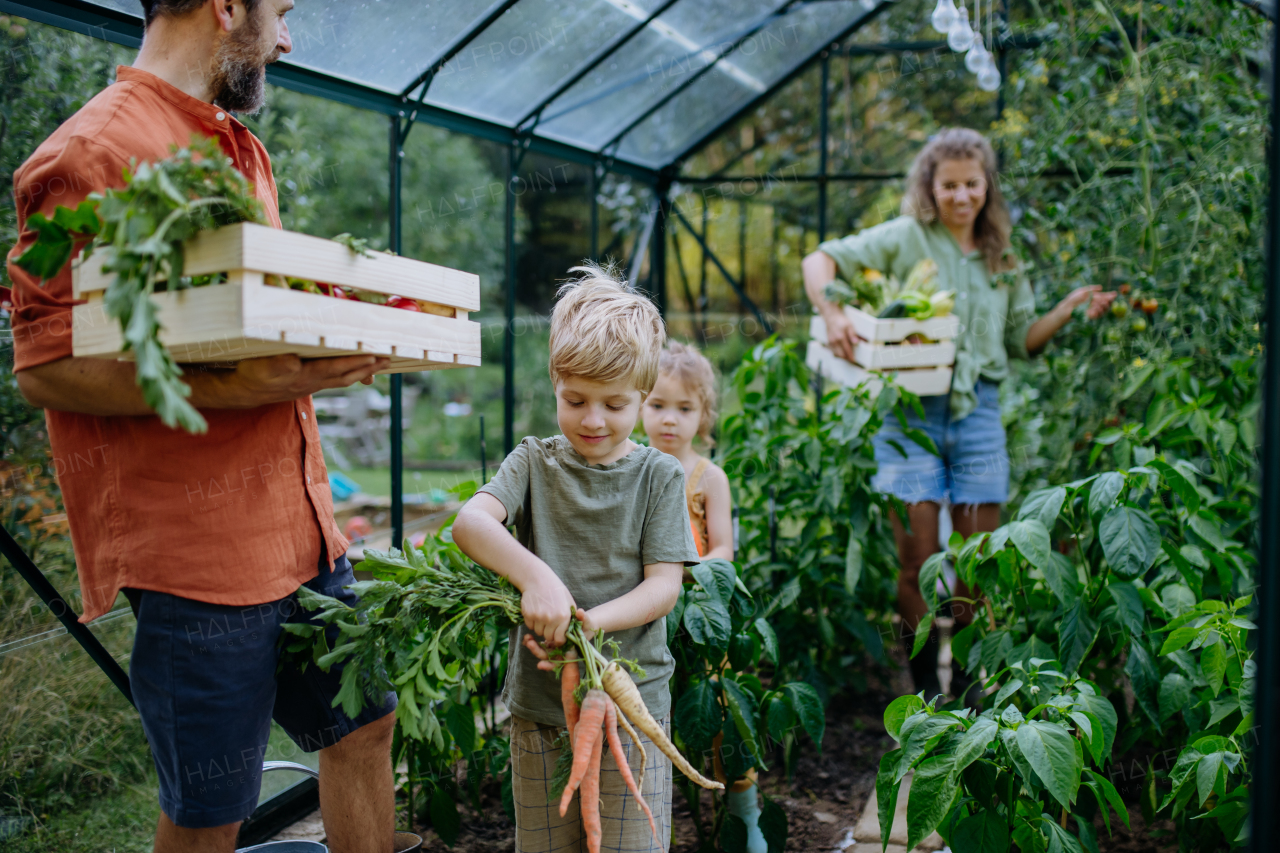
{"x":827,"y":797}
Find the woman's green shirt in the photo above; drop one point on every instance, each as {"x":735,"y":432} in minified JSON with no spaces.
{"x":995,"y":312}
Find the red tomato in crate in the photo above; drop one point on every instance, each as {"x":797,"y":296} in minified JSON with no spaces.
{"x":402,"y":303}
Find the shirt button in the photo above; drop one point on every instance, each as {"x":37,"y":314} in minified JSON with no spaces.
{"x":220,"y":116}
{"x":304,"y":416}
{"x":308,"y":479}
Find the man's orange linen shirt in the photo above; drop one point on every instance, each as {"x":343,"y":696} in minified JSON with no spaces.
{"x":237,"y":516}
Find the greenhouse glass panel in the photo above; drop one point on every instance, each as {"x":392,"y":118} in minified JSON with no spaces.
{"x":383,"y":43}
{"x":680,"y":43}
{"x":129,"y":7}
{"x":527,"y":53}
{"x":766,"y":56}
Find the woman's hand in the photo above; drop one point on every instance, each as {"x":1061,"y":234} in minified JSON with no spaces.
{"x":1048,"y":325}
{"x":1098,"y":299}
{"x":842,"y":340}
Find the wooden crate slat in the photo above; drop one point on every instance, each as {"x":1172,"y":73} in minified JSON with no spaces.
{"x":881,"y":356}
{"x":414,"y":353}
{"x":269,"y":309}
{"x":270,"y":250}
{"x":228,"y":322}
{"x":925,"y":381}
{"x":877,"y":330}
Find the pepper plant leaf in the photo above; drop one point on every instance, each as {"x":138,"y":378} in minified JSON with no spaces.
{"x":1055,"y":756}
{"x":808,"y":707}
{"x":933,"y":788}
{"x":1032,"y":541}
{"x":1043,"y":505}
{"x":1129,"y":540}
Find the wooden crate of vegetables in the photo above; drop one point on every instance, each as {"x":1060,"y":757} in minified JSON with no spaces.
{"x":179,"y":266}
{"x":283,"y":292}
{"x":907,"y":331}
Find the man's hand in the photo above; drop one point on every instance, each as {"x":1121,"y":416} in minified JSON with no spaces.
{"x":276,"y":378}
{"x":547,"y":606}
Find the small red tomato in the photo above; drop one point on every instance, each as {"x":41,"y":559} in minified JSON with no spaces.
{"x":1150,"y":306}
{"x":402,"y":303}
{"x":1124,"y":290}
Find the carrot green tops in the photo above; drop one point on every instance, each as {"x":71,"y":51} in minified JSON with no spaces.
{"x":995,"y":311}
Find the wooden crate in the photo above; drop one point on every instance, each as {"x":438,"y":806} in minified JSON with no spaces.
{"x":884,"y":331}
{"x":892,"y":356}
{"x":922,"y":381}
{"x":245,"y":318}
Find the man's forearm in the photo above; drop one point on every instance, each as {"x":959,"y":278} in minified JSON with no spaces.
{"x":105,"y":387}
{"x":651,"y":600}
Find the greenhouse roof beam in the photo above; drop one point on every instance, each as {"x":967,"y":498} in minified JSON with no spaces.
{"x":795,"y":72}
{"x":424,"y":79}
{"x":697,"y":75}
{"x":594,"y":63}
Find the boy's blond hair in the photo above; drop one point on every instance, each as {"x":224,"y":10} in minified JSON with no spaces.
{"x":602,"y":329}
{"x":692,"y":370}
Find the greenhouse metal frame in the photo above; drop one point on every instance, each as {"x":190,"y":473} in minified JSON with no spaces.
{"x":721,"y":74}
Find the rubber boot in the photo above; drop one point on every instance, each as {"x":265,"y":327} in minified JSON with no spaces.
{"x":924,"y":666}
{"x":746,"y":805}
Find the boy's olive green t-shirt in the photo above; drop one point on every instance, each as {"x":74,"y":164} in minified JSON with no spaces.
{"x":597,"y":527}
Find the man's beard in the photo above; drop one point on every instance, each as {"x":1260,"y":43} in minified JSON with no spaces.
{"x":240,"y":69}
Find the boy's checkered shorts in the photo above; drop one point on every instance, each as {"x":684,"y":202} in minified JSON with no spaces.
{"x":624,"y":828}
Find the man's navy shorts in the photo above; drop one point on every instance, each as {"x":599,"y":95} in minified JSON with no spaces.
{"x":205,"y":680}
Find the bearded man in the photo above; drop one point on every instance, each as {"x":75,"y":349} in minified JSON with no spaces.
{"x":208,"y":536}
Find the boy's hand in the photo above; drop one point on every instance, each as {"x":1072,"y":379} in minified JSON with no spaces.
{"x":589,"y":626}
{"x":547,"y":606}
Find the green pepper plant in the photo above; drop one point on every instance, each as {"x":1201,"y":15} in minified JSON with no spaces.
{"x":1145,"y":596}
{"x":816,"y":547}
{"x":724,"y":710}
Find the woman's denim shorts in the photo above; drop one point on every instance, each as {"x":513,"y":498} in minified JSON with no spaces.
{"x":973,"y":467}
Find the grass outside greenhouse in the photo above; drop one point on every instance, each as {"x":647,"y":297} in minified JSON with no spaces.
{"x":1118,"y":628}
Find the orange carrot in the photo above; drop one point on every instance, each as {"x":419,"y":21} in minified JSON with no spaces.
{"x":620,"y":758}
{"x":588,"y":734}
{"x":568,"y":684}
{"x":590,"y":800}
{"x":623,"y":690}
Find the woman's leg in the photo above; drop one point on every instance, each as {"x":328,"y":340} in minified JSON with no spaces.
{"x":913,"y":549}
{"x":968,"y":519}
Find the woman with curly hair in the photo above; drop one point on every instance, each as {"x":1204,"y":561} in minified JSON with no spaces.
{"x":954,"y":214}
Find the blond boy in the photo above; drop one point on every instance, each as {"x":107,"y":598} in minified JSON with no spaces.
{"x":602,"y":535}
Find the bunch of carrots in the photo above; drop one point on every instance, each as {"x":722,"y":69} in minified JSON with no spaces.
{"x":429,"y":605}
{"x":591,"y":714}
